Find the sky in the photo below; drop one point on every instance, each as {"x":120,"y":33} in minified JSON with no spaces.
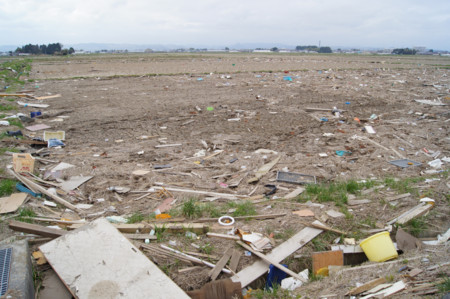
{"x":220,"y":23}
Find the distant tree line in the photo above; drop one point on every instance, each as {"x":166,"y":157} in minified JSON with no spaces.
{"x":50,"y":49}
{"x":404,"y":51}
{"x":314,"y":48}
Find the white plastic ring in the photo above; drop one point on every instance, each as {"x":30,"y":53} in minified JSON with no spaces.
{"x":225,"y":218}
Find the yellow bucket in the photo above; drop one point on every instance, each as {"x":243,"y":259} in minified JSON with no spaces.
{"x":379,"y":247}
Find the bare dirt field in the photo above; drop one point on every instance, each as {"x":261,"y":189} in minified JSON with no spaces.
{"x":123,"y":113}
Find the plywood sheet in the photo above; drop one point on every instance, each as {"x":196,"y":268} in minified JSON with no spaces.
{"x":250,"y":273}
{"x":327,"y":258}
{"x":96,"y":261}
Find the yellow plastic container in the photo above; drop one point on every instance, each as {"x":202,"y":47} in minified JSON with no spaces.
{"x":379,"y":247}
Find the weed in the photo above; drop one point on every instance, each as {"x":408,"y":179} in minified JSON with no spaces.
{"x":285,"y":234}
{"x":369,"y":221}
{"x":25,"y":214}
{"x":135,"y":218}
{"x":273,"y":293}
{"x":416,"y":225}
{"x":389,"y":278}
{"x":8,"y":149}
{"x":245,"y":208}
{"x":207,"y":248}
{"x":444,"y":287}
{"x":16,"y":122}
{"x":321,"y":242}
{"x":314,"y":277}
{"x":211,"y":210}
{"x":191,"y":209}
{"x":7,"y":187}
{"x":159,"y":232}
{"x":403,"y":185}
{"x":37,"y":277}
{"x":7,"y":107}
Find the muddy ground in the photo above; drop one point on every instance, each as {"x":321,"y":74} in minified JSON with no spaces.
{"x":116,"y":110}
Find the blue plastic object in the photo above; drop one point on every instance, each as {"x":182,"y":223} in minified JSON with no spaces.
{"x":287,"y":78}
{"x":22,"y":188}
{"x":275,"y":276}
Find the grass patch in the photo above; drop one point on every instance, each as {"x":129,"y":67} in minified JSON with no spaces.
{"x":25,"y":214}
{"x":8,"y":149}
{"x":207,"y":248}
{"x":244,"y":208}
{"x":16,"y":122}
{"x":7,"y":107}
{"x":136,"y":218}
{"x":7,"y":186}
{"x":444,"y":287}
{"x":276,"y":292}
{"x":159,"y":232}
{"x":416,"y":225}
{"x":403,"y":185}
{"x":321,"y":242}
{"x":191,"y":209}
{"x":11,"y":72}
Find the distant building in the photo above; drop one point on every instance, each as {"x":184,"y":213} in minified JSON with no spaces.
{"x":262,"y":51}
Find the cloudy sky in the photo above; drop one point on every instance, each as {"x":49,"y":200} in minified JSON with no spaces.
{"x":359,"y":23}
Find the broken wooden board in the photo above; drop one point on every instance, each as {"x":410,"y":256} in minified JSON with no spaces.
{"x":140,"y":236}
{"x":12,"y":203}
{"x":251,"y":273}
{"x":36,"y":229}
{"x":367,"y":286}
{"x":271,"y":261}
{"x":401,"y":196}
{"x":417,"y":211}
{"x":327,"y":258}
{"x":355,"y":202}
{"x":198,"y":228}
{"x":263,"y":170}
{"x":32,"y":105}
{"x":294,"y":193}
{"x":395,"y":288}
{"x":234,"y":262}
{"x":48,"y":97}
{"x":101,"y":263}
{"x":220,"y":264}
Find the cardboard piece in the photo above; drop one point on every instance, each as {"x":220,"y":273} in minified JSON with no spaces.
{"x":304,"y":213}
{"x":23,"y":162}
{"x":37,"y":127}
{"x":327,"y":258}
{"x":101,"y":263}
{"x":12,"y":203}
{"x":60,"y":135}
{"x":406,"y":241}
{"x":74,"y":182}
{"x":165,"y":205}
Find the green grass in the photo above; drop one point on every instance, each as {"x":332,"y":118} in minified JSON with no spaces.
{"x":191,"y":209}
{"x":321,"y":242}
{"x":25,"y":214}
{"x":207,"y":248}
{"x":444,"y":287}
{"x":416,"y":225}
{"x":135,"y":218}
{"x":275,"y":293}
{"x":7,"y":107}
{"x":244,"y":208}
{"x":403,"y":185}
{"x":16,"y":122}
{"x":7,"y":186}
{"x":159,"y":233}
{"x":8,"y":149}
{"x":12,"y":79}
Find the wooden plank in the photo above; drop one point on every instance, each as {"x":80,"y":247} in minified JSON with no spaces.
{"x":272,"y":261}
{"x":220,"y":264}
{"x":35,"y":187}
{"x":102,"y":263}
{"x":36,"y":229}
{"x":198,"y":228}
{"x":20,"y":95}
{"x":214,"y":194}
{"x":398,"y":197}
{"x":223,"y":236}
{"x":327,"y":258}
{"x":395,"y":288}
{"x":235,"y":260}
{"x":48,"y":97}
{"x":415,"y":213}
{"x":255,"y":217}
{"x":140,"y":236}
{"x":367,"y":286}
{"x":251,"y":273}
